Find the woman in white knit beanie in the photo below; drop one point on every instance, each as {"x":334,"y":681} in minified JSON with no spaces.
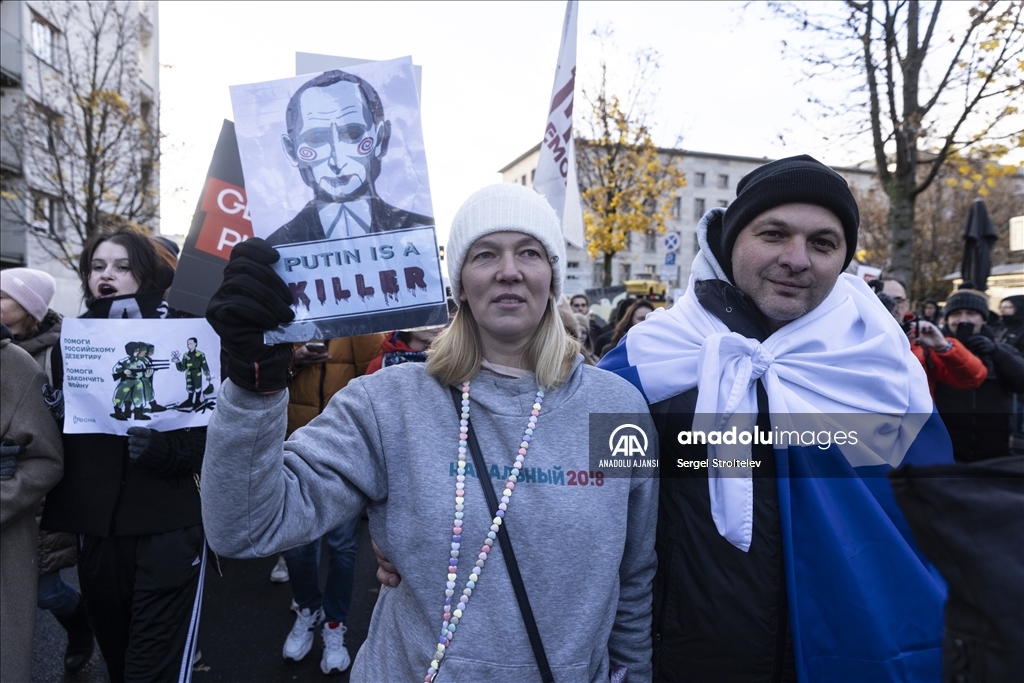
{"x":500,"y":410}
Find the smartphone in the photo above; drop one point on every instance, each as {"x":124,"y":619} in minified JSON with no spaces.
{"x":964,"y":331}
{"x":316,"y":347}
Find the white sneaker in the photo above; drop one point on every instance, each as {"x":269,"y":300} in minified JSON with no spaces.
{"x":279,"y":574}
{"x":300,"y":640}
{"x":336,"y":657}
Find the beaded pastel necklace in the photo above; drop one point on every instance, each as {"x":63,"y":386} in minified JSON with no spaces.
{"x":451,"y":617}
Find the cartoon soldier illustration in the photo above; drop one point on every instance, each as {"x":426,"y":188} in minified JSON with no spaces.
{"x":146,"y":380}
{"x":129,"y":393}
{"x":194,"y":365}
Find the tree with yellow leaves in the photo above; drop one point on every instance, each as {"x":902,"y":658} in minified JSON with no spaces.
{"x":84,"y":130}
{"x":924,"y":91}
{"x":625,"y":184}
{"x":940,"y":214}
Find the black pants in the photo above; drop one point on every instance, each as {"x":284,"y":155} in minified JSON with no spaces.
{"x":143,"y":596}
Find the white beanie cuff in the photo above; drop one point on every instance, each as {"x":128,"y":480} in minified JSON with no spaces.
{"x":500,"y":208}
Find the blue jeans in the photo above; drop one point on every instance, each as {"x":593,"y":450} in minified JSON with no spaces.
{"x":304,"y":572}
{"x":56,"y":595}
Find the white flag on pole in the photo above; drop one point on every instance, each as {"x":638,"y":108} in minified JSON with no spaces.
{"x":556,"y":169}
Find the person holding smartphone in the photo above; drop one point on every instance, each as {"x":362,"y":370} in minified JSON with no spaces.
{"x":945,"y":359}
{"x":978,"y":419}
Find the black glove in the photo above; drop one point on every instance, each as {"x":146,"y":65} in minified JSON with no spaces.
{"x":9,"y":452}
{"x":170,"y":454}
{"x":251,"y":300}
{"x":980,"y":345}
{"x":139,"y":439}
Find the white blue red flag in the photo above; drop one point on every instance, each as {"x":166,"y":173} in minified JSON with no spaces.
{"x":864,"y":603}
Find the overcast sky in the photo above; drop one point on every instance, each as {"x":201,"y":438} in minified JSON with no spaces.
{"x":488,"y":68}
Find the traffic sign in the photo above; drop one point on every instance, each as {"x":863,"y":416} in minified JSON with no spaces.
{"x":670,"y":259}
{"x":671,"y":241}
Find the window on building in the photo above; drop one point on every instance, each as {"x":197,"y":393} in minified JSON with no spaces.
{"x":696,"y":244}
{"x":698,"y":179}
{"x":145,"y":184}
{"x":524,"y":179}
{"x":44,"y":39}
{"x":723,"y":203}
{"x":146,"y":112}
{"x":44,"y":213}
{"x":699,"y":208}
{"x":677,"y":208}
{"x":651,"y":269}
{"x":572,"y":264}
{"x":723,"y":181}
{"x":533,"y":176}
{"x":651,"y":241}
{"x":598,"y":275}
{"x":46,"y":128}
{"x":624,"y":271}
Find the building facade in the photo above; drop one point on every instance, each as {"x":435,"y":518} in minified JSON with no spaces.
{"x":44,"y":56}
{"x":710,"y":181}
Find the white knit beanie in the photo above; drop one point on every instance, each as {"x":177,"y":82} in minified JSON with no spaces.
{"x":32,"y":289}
{"x":499,"y":208}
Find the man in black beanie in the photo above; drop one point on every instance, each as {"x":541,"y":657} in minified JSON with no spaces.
{"x":761,"y":575}
{"x":979,"y":420}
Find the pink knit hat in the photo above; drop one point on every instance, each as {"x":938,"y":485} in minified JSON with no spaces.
{"x":32,"y":289}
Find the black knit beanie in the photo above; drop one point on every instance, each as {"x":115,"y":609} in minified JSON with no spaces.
{"x":971,"y":299}
{"x":795,"y":180}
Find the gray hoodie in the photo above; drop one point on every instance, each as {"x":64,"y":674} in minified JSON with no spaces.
{"x":390,"y":441}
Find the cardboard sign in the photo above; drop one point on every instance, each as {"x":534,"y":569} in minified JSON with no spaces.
{"x":334,"y":164}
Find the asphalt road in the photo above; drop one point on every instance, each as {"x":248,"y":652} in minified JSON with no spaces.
{"x":245,"y":621}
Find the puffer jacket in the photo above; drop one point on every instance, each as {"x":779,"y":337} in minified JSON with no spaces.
{"x":958,"y":367}
{"x":313,"y":386}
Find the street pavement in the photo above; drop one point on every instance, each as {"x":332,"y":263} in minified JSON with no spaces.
{"x":245,"y":621}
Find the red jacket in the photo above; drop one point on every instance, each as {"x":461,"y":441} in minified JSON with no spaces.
{"x":392,"y":344}
{"x":958,"y":367}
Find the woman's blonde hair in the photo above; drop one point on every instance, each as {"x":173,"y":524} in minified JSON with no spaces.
{"x":455,"y":355}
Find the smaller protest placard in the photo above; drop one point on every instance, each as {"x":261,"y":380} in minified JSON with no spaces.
{"x":161,"y":374}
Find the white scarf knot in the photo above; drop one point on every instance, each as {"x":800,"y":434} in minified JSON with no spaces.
{"x":847,"y":357}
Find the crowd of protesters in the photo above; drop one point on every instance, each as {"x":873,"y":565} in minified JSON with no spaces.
{"x":706,"y":585}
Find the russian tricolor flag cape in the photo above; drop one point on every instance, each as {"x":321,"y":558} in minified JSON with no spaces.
{"x":865,"y":605}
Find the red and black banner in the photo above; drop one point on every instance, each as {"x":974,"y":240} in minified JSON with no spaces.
{"x":220,"y":222}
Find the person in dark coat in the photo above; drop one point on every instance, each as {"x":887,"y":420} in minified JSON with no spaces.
{"x":134,"y":500}
{"x":1011,"y":311}
{"x":931,"y":311}
{"x":785,"y":563}
{"x":967,"y":518}
{"x":979,"y":420}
